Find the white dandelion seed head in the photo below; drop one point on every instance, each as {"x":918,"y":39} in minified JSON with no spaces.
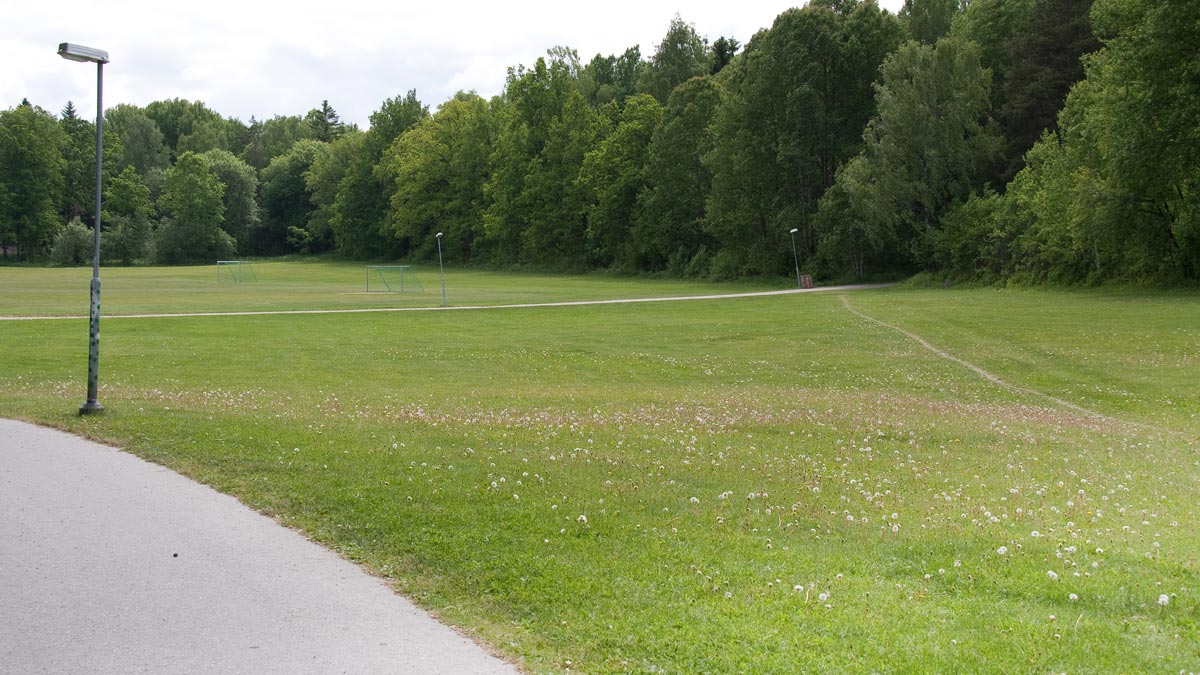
{"x":582,"y":518}
{"x":825,"y":596}
{"x":1163,"y":600}
{"x":1003,"y":550}
{"x":1073,"y":597}
{"x":1053,"y":575}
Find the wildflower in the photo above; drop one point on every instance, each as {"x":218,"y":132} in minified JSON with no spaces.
{"x":825,"y":596}
{"x":1035,"y":534}
{"x":695,"y":500}
{"x":1003,"y":550}
{"x":1053,"y":575}
{"x":1163,"y":600}
{"x":1072,"y":597}
{"x":582,"y":519}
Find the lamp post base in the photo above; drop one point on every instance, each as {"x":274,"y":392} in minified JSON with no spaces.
{"x":91,"y":408}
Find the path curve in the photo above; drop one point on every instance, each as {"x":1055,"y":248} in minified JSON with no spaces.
{"x":994,"y":379}
{"x":110,"y":564}
{"x":454,"y":308}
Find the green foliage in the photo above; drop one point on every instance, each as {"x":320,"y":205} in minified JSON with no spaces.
{"x":126,"y":218}
{"x":796,"y":105}
{"x":929,"y":148}
{"x":608,"y":79}
{"x":536,"y":213}
{"x":928,"y":21}
{"x":325,"y":123}
{"x":436,"y":172}
{"x":142,"y":145}
{"x":187,"y":125}
{"x":1115,"y":194}
{"x":272,"y":138}
{"x":612,"y":178}
{"x":192,"y":201}
{"x":73,"y":245}
{"x":287,"y":200}
{"x":395,"y":116}
{"x":240,"y":196}
{"x":1047,"y":63}
{"x":32,"y":172}
{"x":668,"y":230}
{"x":681,"y":55}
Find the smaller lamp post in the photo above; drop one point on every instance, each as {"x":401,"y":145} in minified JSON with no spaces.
{"x":441,"y":270}
{"x":795,"y":255}
{"x":99,"y":57}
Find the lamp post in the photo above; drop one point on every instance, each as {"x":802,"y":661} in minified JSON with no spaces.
{"x":441,"y":270}
{"x":795,"y":256}
{"x":99,"y":57}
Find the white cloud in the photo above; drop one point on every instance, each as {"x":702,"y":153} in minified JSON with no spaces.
{"x":264,"y":59}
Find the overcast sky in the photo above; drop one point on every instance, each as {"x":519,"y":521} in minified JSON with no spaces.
{"x":246,"y":58}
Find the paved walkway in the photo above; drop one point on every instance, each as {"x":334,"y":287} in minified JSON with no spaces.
{"x":109,"y":564}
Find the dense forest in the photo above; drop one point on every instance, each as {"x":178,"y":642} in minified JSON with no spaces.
{"x":1027,"y":140}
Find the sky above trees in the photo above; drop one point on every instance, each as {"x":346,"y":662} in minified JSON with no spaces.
{"x":261,"y":59}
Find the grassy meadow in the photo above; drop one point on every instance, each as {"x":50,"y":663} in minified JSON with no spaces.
{"x":753,"y":485}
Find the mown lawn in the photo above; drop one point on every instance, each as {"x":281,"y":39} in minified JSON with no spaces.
{"x":739,"y":486}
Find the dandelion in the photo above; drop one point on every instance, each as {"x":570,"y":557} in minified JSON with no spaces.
{"x":1073,"y":597}
{"x":1053,"y":575}
{"x":1163,"y":600}
{"x":582,"y":519}
{"x":695,"y":500}
{"x":1003,"y":550}
{"x":1035,"y":534}
{"x":825,"y":596}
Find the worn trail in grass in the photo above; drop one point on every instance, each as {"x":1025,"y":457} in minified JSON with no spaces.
{"x":754,"y":485}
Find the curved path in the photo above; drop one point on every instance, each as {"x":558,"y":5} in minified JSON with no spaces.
{"x":109,"y":564}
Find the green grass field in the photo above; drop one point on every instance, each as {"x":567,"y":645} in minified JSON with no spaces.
{"x":755,"y":485}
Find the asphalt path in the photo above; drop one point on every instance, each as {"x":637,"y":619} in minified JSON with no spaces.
{"x":109,"y":564}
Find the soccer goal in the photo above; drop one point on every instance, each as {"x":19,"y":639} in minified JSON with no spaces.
{"x":234,"y":271}
{"x":392,"y":279}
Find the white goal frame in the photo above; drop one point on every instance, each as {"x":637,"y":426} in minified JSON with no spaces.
{"x":409,"y":283}
{"x":239,"y":271}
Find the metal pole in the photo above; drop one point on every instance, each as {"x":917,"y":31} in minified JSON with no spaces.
{"x":441,"y":270}
{"x":92,"y":405}
{"x":795,"y":256}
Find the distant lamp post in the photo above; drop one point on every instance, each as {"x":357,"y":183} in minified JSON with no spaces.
{"x":441,"y":270}
{"x":795,"y":255}
{"x":99,"y":57}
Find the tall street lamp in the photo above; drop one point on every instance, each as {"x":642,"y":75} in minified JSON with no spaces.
{"x":795,"y":256}
{"x":441,"y":270}
{"x":99,"y":57}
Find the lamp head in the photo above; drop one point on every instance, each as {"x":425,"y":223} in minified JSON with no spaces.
{"x":794,"y":230}
{"x":439,"y":235}
{"x":82,"y":54}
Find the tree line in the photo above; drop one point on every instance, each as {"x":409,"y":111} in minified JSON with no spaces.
{"x":1036,"y":140}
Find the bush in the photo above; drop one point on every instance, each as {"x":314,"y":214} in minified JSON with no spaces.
{"x":175,"y":243}
{"x":73,"y":245}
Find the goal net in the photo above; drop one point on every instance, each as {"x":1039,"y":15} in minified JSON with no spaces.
{"x":392,"y":279}
{"x":234,"y":271}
